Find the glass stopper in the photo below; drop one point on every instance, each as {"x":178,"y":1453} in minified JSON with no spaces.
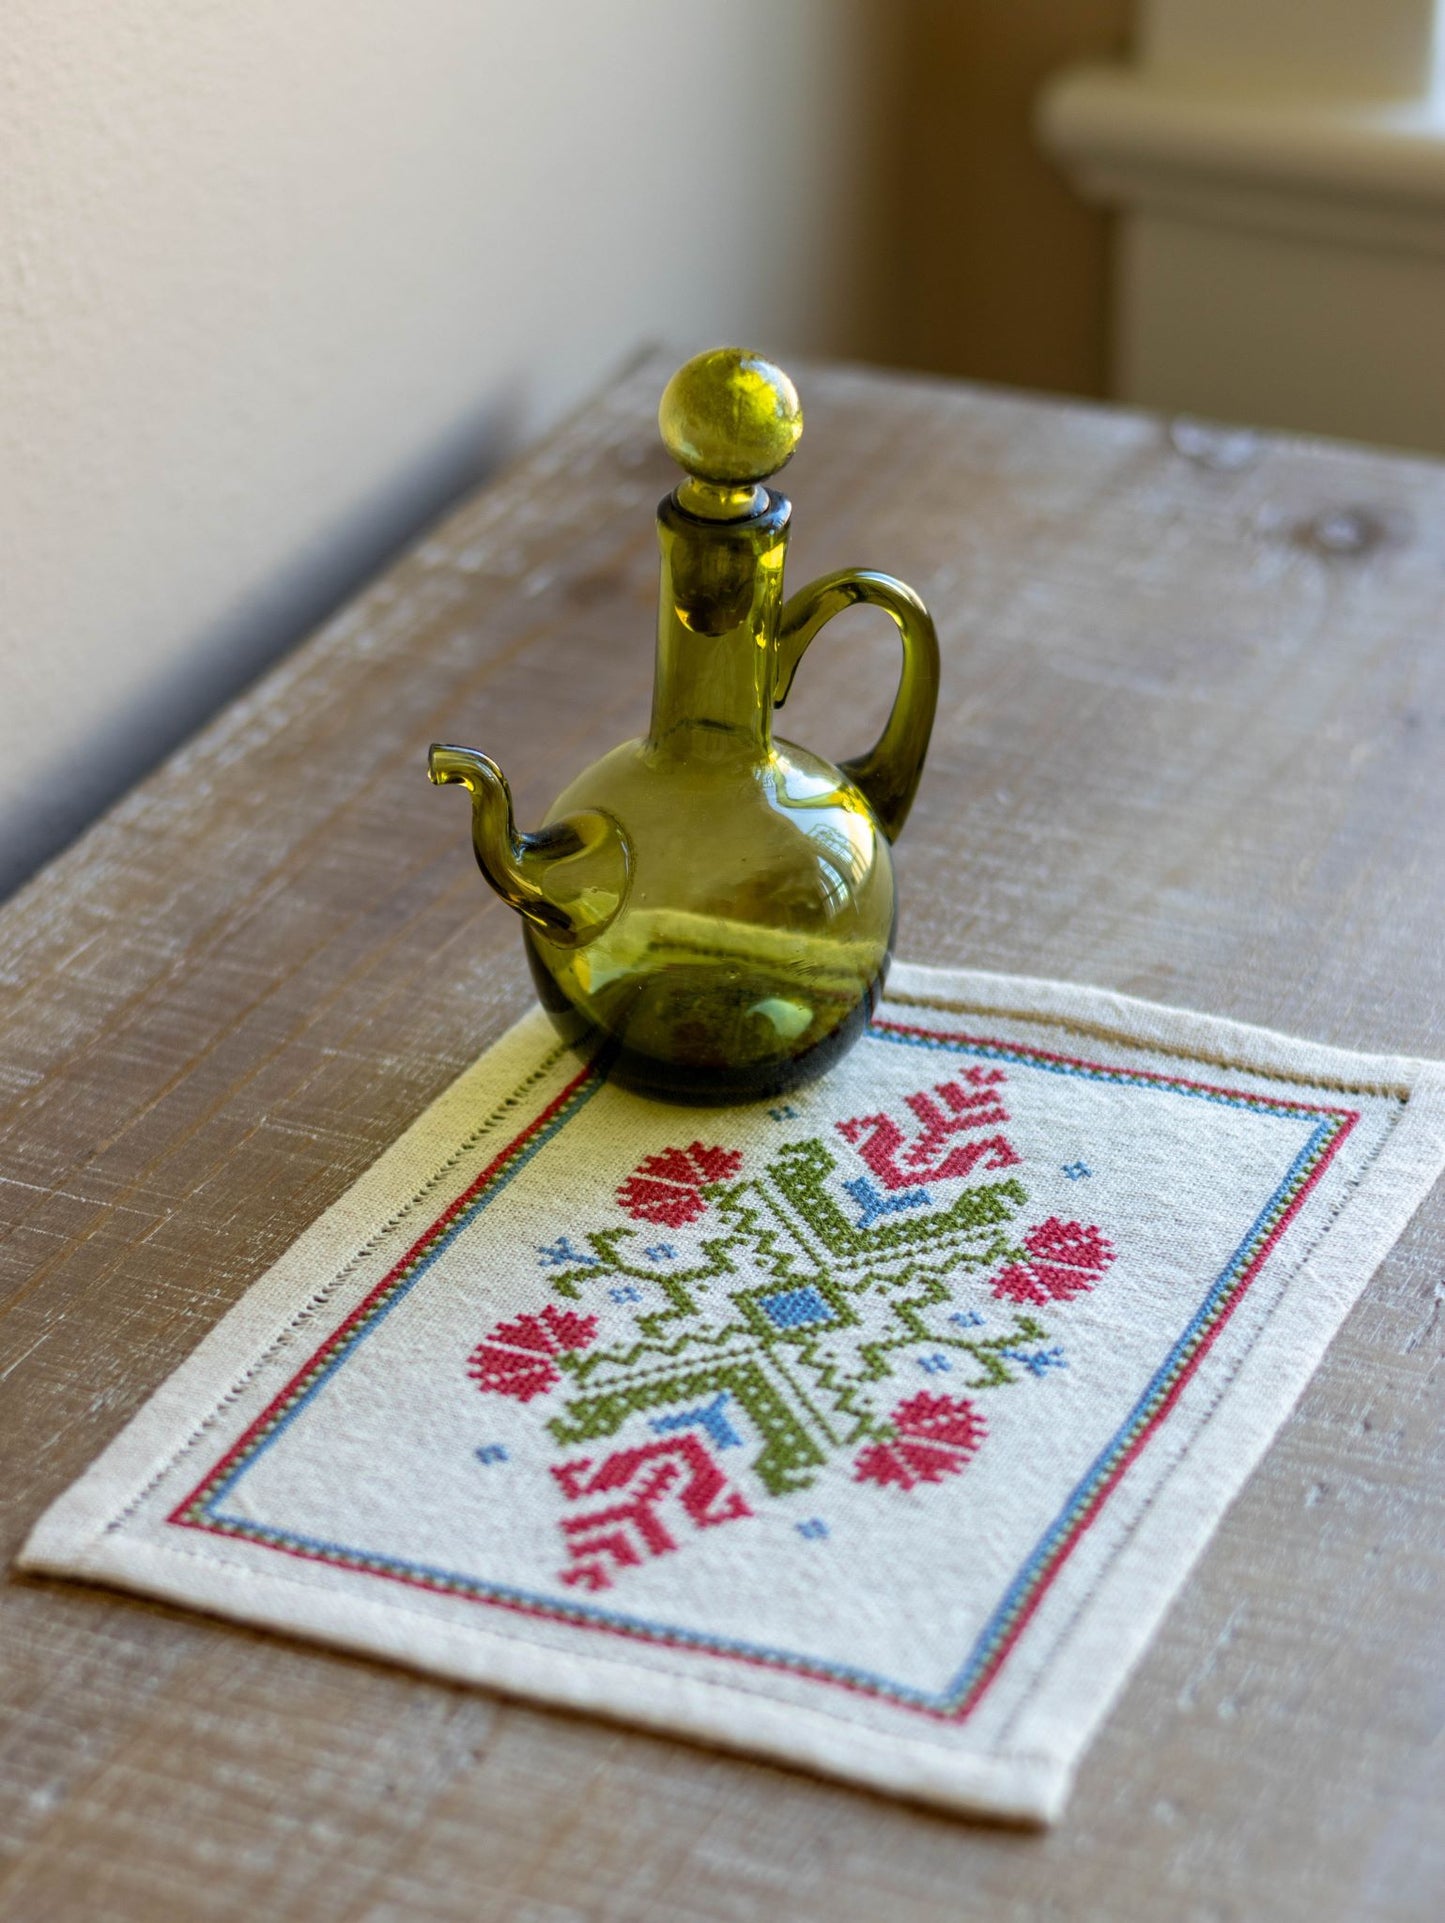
{"x":731,"y":419}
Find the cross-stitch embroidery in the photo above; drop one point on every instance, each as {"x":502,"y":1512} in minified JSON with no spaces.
{"x":934,"y":1436}
{"x":519,"y":1358}
{"x":678,"y":1473}
{"x":782,"y":1330}
{"x":804,"y":1324}
{"x":668,"y":1188}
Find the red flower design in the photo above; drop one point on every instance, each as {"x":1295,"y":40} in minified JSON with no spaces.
{"x":516,"y":1359}
{"x":1066,"y":1259}
{"x":937,"y":1437}
{"x":665,"y":1188}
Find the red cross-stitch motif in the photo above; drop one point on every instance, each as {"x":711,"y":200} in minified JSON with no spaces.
{"x":967,"y":1104}
{"x":1066,"y":1259}
{"x":657,"y":1482}
{"x":937,"y":1437}
{"x":664,"y":1188}
{"x":516,"y":1359}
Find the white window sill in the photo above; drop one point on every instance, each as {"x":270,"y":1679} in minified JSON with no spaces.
{"x":1367,"y":172}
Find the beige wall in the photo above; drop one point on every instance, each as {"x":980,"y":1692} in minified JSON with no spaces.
{"x":278,"y":277}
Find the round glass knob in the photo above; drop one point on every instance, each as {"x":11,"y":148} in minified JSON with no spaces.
{"x":731,"y":419}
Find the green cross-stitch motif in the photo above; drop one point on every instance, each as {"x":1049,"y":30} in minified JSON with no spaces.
{"x":807,"y":1349}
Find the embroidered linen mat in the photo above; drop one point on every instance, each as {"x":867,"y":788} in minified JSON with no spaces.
{"x":872,"y":1429}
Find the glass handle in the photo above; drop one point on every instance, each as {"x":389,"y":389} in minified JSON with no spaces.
{"x":889,"y":772}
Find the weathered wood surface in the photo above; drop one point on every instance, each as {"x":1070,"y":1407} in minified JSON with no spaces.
{"x":1192,"y":745}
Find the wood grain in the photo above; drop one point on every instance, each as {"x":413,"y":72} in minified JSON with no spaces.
{"x":1192,"y":746}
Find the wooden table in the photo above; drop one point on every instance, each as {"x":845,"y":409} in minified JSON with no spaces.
{"x":1191,"y":745}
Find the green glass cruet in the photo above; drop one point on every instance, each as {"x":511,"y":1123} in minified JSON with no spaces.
{"x":711,"y":906}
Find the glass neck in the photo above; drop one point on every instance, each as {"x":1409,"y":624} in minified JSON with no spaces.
{"x":717,"y":630}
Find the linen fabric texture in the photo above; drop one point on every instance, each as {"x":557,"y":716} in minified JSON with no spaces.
{"x":871,"y":1429}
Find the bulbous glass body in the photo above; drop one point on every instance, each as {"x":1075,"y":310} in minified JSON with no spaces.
{"x":757,"y":926}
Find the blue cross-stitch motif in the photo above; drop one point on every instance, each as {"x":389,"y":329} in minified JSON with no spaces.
{"x":1038,"y":1361}
{"x":795,"y":1308}
{"x":711,"y":1417}
{"x":561,"y":1255}
{"x":626,"y":1293}
{"x":874,"y":1204}
{"x":967,"y":1318}
{"x":935,"y":1364}
{"x":491,"y":1452}
{"x":1076,"y":1171}
{"x":661,"y":1252}
{"x":814,"y":1529}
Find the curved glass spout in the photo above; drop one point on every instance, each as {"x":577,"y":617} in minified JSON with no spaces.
{"x":569,"y":881}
